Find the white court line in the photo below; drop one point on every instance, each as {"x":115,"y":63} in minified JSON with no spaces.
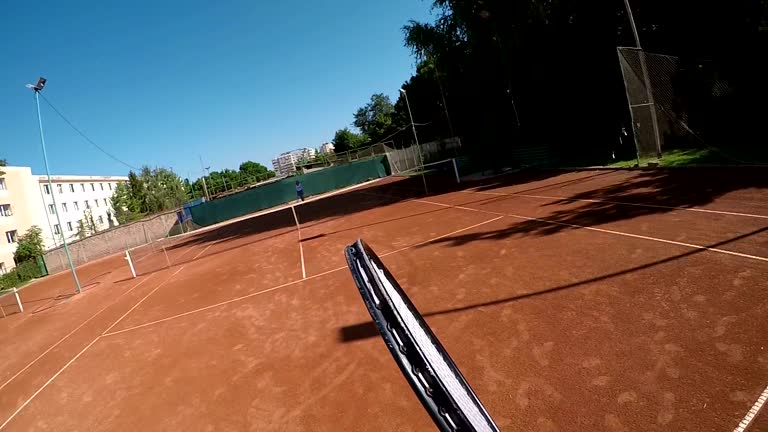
{"x":97,"y":338}
{"x":70,"y":334}
{"x":142,"y":300}
{"x":693,"y":209}
{"x":301,"y":247}
{"x":689,"y":245}
{"x":301,"y":252}
{"x":236,"y":299}
{"x":153,"y":291}
{"x":48,"y":382}
{"x":752,"y":413}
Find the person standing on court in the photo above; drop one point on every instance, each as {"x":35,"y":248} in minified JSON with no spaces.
{"x":300,"y":190}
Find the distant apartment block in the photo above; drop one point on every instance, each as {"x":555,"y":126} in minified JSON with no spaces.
{"x":27,"y":200}
{"x":285,"y":164}
{"x":326,"y":148}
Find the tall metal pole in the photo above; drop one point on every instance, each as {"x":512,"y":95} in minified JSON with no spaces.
{"x":415,"y":137}
{"x":646,"y":80}
{"x":205,"y":187}
{"x":53,"y":194}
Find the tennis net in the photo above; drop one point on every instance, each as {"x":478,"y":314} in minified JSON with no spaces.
{"x":435,"y":175}
{"x":10,"y":303}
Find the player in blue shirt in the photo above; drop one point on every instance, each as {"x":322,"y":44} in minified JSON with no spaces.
{"x":299,"y":190}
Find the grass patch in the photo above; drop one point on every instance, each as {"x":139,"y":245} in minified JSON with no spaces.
{"x":679,"y":158}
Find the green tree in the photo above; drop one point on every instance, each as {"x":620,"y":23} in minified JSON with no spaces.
{"x":124,"y":206}
{"x":164,"y":189}
{"x":253,"y":169}
{"x":83,"y":229}
{"x":3,"y":163}
{"x":374,"y":119}
{"x":345,"y":140}
{"x":152,"y":190}
{"x":30,"y":245}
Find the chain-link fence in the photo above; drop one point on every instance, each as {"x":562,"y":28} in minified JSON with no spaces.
{"x":408,"y":158}
{"x":681,"y":104}
{"x":111,"y":241}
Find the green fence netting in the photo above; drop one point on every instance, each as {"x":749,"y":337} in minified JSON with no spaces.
{"x":283,"y":191}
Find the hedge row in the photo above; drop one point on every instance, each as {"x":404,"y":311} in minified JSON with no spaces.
{"x":21,"y":273}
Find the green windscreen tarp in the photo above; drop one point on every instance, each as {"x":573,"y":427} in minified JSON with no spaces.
{"x":283,"y":191}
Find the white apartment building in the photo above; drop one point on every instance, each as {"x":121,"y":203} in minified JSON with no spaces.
{"x":27,"y":200}
{"x":285,"y":164}
{"x":326,"y":148}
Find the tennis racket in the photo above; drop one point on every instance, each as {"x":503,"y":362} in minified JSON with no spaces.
{"x":430,"y":371}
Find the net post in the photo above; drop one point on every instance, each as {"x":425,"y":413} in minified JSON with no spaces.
{"x":168,"y":261}
{"x":296,"y":219}
{"x":456,"y":170}
{"x":18,"y":300}
{"x":130,"y":263}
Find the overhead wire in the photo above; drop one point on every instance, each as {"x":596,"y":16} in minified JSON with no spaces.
{"x":82,"y":134}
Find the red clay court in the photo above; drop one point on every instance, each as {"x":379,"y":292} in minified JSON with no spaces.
{"x":571,"y":301}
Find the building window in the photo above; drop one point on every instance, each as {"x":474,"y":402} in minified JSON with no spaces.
{"x":71,"y":188}
{"x":3,"y":270}
{"x":101,"y":185}
{"x":60,"y":188}
{"x":64,"y":207}
{"x":76,"y":205}
{"x":82,"y":187}
{"x":108,"y":184}
{"x":105,"y":203}
{"x":5,"y":210}
{"x":93,"y":187}
{"x":101,"y":220}
{"x":56,"y":229}
{"x":97,"y":202}
{"x":46,"y":189}
{"x":87,"y":204}
{"x":2,"y":184}
{"x":11,"y":236}
{"x":51,"y":210}
{"x":69,"y":226}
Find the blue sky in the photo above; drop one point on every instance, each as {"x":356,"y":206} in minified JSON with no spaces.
{"x":161,"y":82}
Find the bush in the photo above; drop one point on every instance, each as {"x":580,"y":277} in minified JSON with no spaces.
{"x":23,"y":272}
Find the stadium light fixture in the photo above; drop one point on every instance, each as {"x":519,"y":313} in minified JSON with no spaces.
{"x":37,"y":89}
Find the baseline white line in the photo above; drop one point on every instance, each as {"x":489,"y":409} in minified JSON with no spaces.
{"x":693,"y":209}
{"x":48,"y":382}
{"x":70,"y":334}
{"x":236,"y":299}
{"x":607,"y":231}
{"x":753,"y":412}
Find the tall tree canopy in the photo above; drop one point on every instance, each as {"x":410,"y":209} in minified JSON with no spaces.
{"x":374,"y":119}
{"x":248,"y":173}
{"x":30,"y":245}
{"x":528,"y":73}
{"x":152,"y":190}
{"x":345,"y":140}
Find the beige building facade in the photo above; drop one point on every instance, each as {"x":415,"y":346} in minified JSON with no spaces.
{"x":83,"y":204}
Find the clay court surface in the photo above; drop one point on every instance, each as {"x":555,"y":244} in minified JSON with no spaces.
{"x":571,"y":301}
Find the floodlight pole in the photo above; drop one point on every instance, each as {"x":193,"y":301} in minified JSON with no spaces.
{"x":415,"y":137}
{"x":53,"y":194}
{"x":646,"y":81}
{"x":205,"y":187}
